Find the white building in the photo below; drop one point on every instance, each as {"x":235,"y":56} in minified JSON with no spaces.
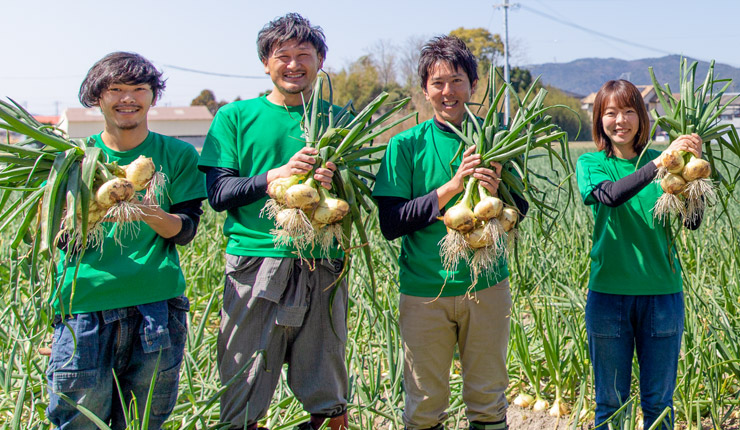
{"x":731,"y":115}
{"x":188,"y":123}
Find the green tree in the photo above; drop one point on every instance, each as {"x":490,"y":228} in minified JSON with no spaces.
{"x":208,"y":99}
{"x":485,"y":46}
{"x":520,"y":79}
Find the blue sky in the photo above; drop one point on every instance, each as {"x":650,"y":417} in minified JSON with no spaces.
{"x":50,"y":45}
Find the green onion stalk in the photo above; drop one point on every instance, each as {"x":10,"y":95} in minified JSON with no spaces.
{"x":320,"y":217}
{"x":478,"y":222}
{"x":554,"y":338}
{"x":687,"y":181}
{"x":530,"y":367}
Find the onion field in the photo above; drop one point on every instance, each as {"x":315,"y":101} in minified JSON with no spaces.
{"x":548,"y":353}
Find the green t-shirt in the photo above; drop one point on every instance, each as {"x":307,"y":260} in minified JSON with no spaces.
{"x":417,"y":162}
{"x":254,"y":136}
{"x":145,"y":268}
{"x":630,"y":253}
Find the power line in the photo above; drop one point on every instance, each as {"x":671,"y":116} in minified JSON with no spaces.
{"x":185,"y":69}
{"x":39,"y":78}
{"x":224,"y":75}
{"x":594,"y":32}
{"x":561,"y":17}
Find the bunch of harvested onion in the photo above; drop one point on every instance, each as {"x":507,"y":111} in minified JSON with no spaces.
{"x":471,"y":230}
{"x":476,"y":223}
{"x":685,"y":179}
{"x":307,"y":215}
{"x":686,"y":185}
{"x":114,"y":190}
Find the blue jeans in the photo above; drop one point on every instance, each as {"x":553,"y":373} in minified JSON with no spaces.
{"x":617,"y":325}
{"x":120,"y":341}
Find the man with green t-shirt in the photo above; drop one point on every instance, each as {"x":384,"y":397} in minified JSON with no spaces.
{"x":413,"y":188}
{"x":274,"y":301}
{"x":125,"y":316}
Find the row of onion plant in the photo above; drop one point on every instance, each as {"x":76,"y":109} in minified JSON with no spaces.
{"x":548,"y":285}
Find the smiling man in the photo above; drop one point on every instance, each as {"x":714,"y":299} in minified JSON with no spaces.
{"x":126,"y":314}
{"x":274,"y":301}
{"x":414,"y":186}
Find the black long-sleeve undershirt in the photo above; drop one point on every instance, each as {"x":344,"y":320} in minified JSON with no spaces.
{"x":227,"y":190}
{"x":616,"y":193}
{"x":399,"y":217}
{"x":189,"y":212}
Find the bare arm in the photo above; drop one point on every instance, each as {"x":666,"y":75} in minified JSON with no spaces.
{"x":163,"y":223}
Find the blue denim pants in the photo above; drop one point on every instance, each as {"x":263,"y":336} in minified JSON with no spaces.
{"x":617,"y":326}
{"x":121,"y":341}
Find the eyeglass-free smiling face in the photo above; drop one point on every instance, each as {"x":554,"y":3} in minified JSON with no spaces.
{"x":125,"y":106}
{"x":621,"y":124}
{"x":293,"y":68}
{"x":448,"y":90}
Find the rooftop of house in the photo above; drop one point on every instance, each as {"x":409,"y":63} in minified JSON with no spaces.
{"x":47,"y":119}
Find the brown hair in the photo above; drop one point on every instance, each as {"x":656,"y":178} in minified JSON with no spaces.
{"x":624,"y":94}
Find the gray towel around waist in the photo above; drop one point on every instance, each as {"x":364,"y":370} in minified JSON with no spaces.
{"x":275,"y":282}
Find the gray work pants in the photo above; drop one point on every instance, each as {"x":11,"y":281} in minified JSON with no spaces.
{"x":314,"y":351}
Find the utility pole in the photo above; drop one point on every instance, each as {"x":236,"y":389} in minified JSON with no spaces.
{"x":506,"y":7}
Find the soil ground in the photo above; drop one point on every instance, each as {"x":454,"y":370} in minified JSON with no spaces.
{"x":524,"y":419}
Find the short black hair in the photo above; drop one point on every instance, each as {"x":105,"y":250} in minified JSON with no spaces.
{"x":290,"y":27}
{"x":450,"y":49}
{"x":119,"y":68}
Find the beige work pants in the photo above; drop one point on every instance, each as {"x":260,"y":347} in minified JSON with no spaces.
{"x":430,"y":329}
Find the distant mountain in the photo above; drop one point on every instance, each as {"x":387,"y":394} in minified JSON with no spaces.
{"x":586,"y":75}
